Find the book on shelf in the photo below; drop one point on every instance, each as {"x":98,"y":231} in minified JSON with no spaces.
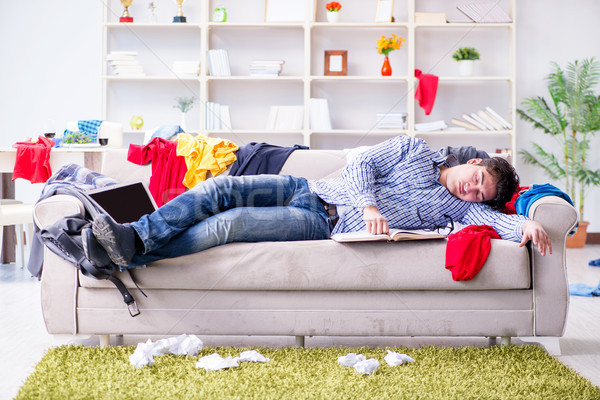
{"x":125,"y":63}
{"x":390,"y":120}
{"x":218,"y":116}
{"x":471,"y":120}
{"x":481,"y":121}
{"x":489,"y":12}
{"x":395,"y":235}
{"x":430,"y":17}
{"x":491,"y":121}
{"x":464,"y":124}
{"x":431,"y":126}
{"x":485,"y":120}
{"x":285,"y":118}
{"x":497,"y":117}
{"x":266,"y":67}
{"x":184,"y":69}
{"x":319,"y":115}
{"x":218,"y":62}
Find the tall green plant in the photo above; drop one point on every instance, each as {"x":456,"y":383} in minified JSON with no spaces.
{"x":573,"y":119}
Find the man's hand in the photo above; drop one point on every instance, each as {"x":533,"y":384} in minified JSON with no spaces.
{"x":533,"y":230}
{"x":376,"y":223}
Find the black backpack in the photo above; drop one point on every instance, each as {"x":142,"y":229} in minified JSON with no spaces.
{"x":64,"y":239}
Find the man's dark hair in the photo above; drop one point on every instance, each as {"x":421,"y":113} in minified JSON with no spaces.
{"x":508,"y":181}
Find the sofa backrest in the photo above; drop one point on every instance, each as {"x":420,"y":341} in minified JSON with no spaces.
{"x":310,"y":164}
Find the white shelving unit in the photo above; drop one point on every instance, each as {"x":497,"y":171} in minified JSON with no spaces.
{"x":353,"y":99}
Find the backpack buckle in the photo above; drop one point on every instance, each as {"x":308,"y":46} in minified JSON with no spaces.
{"x":133,"y":309}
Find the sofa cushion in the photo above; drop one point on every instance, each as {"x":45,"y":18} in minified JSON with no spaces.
{"x":328,"y":265}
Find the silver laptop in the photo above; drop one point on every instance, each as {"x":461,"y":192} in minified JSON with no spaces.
{"x":125,"y":202}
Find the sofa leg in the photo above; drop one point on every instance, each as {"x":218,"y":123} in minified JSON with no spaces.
{"x":505,"y":341}
{"x":299,"y":341}
{"x":104,"y":340}
{"x":491,"y":341}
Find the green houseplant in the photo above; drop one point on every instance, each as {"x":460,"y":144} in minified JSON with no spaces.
{"x":466,"y":57}
{"x":572,"y":120}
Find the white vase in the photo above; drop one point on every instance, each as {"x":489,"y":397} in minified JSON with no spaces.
{"x":333,"y":16}
{"x":183,"y":123}
{"x":465,"y":67}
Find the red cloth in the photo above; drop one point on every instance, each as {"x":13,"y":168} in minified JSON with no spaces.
{"x":33,"y":160}
{"x":467,"y":250}
{"x":509,"y":208}
{"x":168,"y":169}
{"x":426,"y":90}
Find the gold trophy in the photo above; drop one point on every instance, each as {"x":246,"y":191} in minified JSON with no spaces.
{"x":126,"y":17}
{"x":179,"y":17}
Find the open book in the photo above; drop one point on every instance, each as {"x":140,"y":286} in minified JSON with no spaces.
{"x":395,"y":235}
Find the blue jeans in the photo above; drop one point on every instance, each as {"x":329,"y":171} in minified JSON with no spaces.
{"x":232,"y":209}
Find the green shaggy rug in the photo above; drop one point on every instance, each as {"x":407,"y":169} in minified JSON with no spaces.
{"x":511,"y":372}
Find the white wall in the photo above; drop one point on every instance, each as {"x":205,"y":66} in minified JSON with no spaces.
{"x":51,"y":65}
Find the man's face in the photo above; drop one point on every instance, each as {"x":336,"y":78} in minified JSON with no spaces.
{"x":471,"y":182}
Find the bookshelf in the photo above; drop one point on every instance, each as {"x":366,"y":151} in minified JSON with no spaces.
{"x":353,"y":100}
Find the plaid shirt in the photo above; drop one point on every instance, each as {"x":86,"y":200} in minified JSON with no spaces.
{"x":400,"y":177}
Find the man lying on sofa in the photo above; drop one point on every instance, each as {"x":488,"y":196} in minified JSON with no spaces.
{"x":400,"y":183}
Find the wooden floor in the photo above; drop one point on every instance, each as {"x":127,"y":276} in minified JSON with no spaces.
{"x":23,"y":337}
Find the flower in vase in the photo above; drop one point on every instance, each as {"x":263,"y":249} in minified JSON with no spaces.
{"x":385,"y":45}
{"x":333,"y":6}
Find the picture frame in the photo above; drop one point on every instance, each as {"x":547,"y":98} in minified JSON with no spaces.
{"x":336,"y":63}
{"x":385,"y":9}
{"x":289,"y":10}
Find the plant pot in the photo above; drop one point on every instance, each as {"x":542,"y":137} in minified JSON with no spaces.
{"x":578,"y":240}
{"x":333,"y":16}
{"x":465,"y":67}
{"x":386,"y":69}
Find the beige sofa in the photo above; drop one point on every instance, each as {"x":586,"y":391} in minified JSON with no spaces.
{"x":315,"y":287}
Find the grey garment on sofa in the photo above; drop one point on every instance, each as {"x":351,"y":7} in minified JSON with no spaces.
{"x":463,"y":153}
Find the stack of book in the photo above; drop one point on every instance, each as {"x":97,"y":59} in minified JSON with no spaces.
{"x":217,"y":117}
{"x":125,"y":63}
{"x":266,"y":67}
{"x":186,"y":69}
{"x":431,"y":126}
{"x":391,"y":121}
{"x":218,"y":63}
{"x":283,"y":118}
{"x":319,"y":115}
{"x":482,"y":120}
{"x":484,"y":12}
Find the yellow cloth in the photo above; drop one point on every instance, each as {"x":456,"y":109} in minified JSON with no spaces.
{"x":204,"y":154}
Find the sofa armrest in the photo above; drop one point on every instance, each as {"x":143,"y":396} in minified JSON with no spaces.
{"x":549,"y":273}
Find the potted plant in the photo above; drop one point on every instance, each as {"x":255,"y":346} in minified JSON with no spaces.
{"x":333,"y":11}
{"x":466,"y":57}
{"x":184,"y":104}
{"x":574,"y":118}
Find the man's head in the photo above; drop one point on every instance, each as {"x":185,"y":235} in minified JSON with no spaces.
{"x":492,"y":181}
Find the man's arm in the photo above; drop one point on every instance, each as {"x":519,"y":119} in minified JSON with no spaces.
{"x":516,"y":228}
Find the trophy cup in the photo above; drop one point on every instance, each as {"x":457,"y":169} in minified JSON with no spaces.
{"x":126,"y":17}
{"x":179,"y":17}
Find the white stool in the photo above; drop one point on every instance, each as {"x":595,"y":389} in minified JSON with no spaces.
{"x":13,"y":212}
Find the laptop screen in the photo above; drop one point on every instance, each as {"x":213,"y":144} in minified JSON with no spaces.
{"x":125,"y":202}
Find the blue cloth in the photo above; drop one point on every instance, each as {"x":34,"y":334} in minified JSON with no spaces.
{"x":261,"y":158}
{"x":579,"y":289}
{"x":536,"y":192}
{"x":400,"y":177}
{"x":88,"y":128}
{"x":594,"y":263}
{"x":166,"y":132}
{"x":226,"y":209}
